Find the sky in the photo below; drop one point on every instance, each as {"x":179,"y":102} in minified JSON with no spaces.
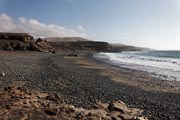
{"x":144,"y":23}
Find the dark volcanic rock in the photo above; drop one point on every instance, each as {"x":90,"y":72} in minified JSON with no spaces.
{"x":23,"y":42}
{"x":24,"y":37}
{"x":72,"y":54}
{"x":44,"y":46}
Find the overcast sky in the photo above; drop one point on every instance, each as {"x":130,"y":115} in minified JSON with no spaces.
{"x":146,"y":23}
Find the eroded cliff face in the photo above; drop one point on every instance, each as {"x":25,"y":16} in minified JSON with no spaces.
{"x":23,"y":42}
{"x":26,"y":42}
{"x":81,"y":45}
{"x":24,"y":37}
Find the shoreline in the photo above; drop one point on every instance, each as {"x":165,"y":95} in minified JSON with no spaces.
{"x":163,"y":85}
{"x":81,"y":80}
{"x":163,"y":68}
{"x":146,"y":85}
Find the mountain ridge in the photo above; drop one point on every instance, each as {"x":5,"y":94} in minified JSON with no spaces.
{"x":26,"y":42}
{"x":80,"y":43}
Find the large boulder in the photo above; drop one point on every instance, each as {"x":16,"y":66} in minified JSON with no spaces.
{"x":43,"y":46}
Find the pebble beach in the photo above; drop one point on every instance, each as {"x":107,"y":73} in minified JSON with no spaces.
{"x":81,"y":80}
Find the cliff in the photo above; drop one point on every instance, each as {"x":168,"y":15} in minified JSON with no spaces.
{"x":77,"y":43}
{"x":81,"y":46}
{"x":23,"y":42}
{"x":26,"y":42}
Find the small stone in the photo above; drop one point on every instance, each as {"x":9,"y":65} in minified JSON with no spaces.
{"x":72,"y":55}
{"x":80,"y":114}
{"x":51,"y":111}
{"x":2,"y":74}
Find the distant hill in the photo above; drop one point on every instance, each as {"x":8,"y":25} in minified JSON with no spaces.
{"x":26,"y":42}
{"x":66,"y":39}
{"x":122,"y":47}
{"x":78,"y":43}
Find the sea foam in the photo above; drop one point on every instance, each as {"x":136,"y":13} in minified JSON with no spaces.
{"x":159,"y":63}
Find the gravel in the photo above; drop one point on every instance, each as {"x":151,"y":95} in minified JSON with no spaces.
{"x":81,"y":86}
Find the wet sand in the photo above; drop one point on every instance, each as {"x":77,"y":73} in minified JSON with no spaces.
{"x":81,"y":80}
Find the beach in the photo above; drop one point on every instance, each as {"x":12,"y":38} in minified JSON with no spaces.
{"x":81,"y":80}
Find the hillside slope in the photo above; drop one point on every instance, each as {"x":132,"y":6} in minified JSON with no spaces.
{"x":77,"y":43}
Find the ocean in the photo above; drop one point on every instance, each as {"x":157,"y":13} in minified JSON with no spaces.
{"x":160,"y":64}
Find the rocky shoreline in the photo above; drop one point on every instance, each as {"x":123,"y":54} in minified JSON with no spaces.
{"x":80,"y":81}
{"x":20,"y":103}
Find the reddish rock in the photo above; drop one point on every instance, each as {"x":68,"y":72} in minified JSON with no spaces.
{"x":18,"y":103}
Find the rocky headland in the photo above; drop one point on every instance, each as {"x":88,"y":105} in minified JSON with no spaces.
{"x":23,"y":42}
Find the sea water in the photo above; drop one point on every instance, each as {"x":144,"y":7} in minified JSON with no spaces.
{"x":162,"y":64}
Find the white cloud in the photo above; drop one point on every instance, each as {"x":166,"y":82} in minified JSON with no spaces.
{"x":69,"y":1}
{"x":81,"y":28}
{"x":38,"y":29}
{"x":6,"y":23}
